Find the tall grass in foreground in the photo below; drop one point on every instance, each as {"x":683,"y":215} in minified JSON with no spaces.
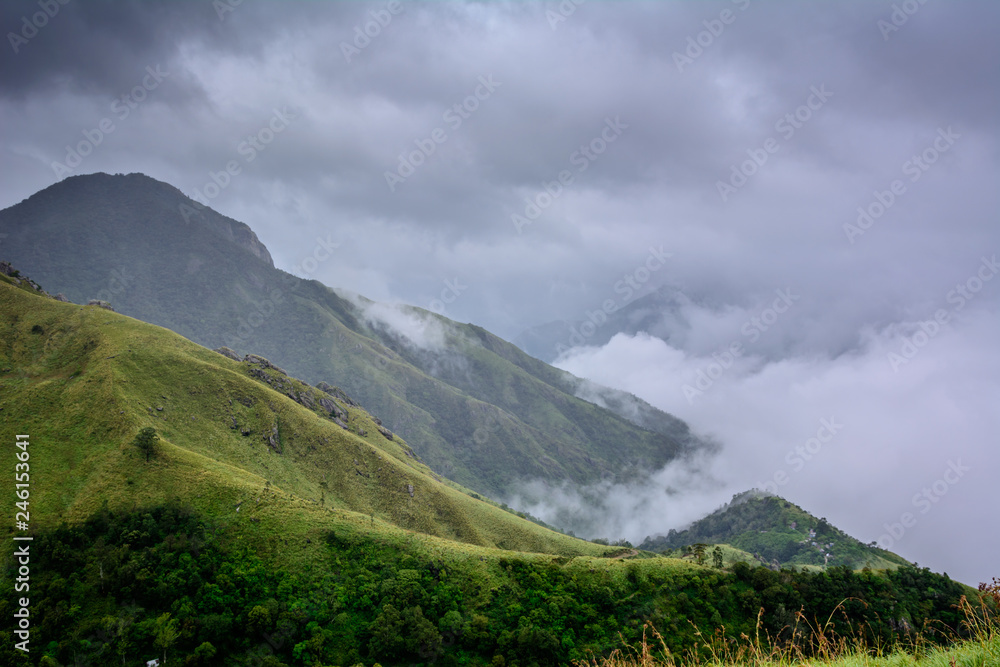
{"x":975,"y":644}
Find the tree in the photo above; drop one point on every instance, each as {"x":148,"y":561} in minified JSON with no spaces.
{"x":203,"y":654}
{"x":698,"y":551}
{"x":146,"y":441}
{"x":717,"y":557}
{"x":387,"y":633}
{"x":166,"y":633}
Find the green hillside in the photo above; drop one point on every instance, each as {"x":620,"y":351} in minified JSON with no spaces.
{"x":777,"y":533}
{"x":476,"y":409}
{"x":262,"y":531}
{"x":83,"y":381}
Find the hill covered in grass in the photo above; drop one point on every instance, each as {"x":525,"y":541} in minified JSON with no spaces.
{"x":777,"y":533}
{"x":278,"y":523}
{"x":473,"y":407}
{"x":83,"y":381}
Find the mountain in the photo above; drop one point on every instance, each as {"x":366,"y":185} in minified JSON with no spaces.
{"x":777,"y":533}
{"x":473,"y":407}
{"x":82,"y":380}
{"x":657,"y":313}
{"x":279,"y":524}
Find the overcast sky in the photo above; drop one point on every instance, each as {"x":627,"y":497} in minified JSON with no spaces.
{"x":510,"y":164}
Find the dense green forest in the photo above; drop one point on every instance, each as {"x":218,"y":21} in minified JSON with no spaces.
{"x":128,"y":586}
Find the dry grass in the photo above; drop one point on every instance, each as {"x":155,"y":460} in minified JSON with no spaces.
{"x":975,"y":644}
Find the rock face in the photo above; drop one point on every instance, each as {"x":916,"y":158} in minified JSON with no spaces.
{"x":61,"y":297}
{"x":333,"y":408}
{"x":239,"y":233}
{"x":7,"y":269}
{"x":326,"y":396}
{"x":336,"y":392}
{"x":101,"y":304}
{"x":273,"y":441}
{"x":226,"y":352}
{"x":262,"y":362}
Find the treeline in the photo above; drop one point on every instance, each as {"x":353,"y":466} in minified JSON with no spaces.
{"x":124,"y":588}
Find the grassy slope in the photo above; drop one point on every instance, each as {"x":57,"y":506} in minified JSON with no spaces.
{"x":125,"y":236}
{"x":82,"y":381}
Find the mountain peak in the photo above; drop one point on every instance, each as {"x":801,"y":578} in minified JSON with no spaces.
{"x":140,"y":200}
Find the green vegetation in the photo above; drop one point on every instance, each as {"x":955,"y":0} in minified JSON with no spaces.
{"x":819,"y":644}
{"x":777,"y":533}
{"x":282,"y":524}
{"x":235,"y":438}
{"x":478,"y":411}
{"x":146,"y":441}
{"x":129,"y":585}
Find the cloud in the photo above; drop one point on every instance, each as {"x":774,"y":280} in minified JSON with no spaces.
{"x":416,"y":329}
{"x":858,"y":438}
{"x":681,"y":492}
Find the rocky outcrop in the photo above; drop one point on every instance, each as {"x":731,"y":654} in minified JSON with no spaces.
{"x":241,"y":235}
{"x":262,"y":362}
{"x":336,"y":392}
{"x":101,"y":304}
{"x":7,"y":269}
{"x":273,"y":441}
{"x":325,"y":395}
{"x":227,"y":352}
{"x":332,"y":407}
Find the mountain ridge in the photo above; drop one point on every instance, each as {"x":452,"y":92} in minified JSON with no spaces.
{"x":479,"y":410}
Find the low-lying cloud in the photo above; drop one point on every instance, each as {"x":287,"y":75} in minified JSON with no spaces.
{"x":681,"y":492}
{"x":859,"y":438}
{"x":421,"y":331}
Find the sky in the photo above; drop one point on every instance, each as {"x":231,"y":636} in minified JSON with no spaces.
{"x":815,"y":182}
